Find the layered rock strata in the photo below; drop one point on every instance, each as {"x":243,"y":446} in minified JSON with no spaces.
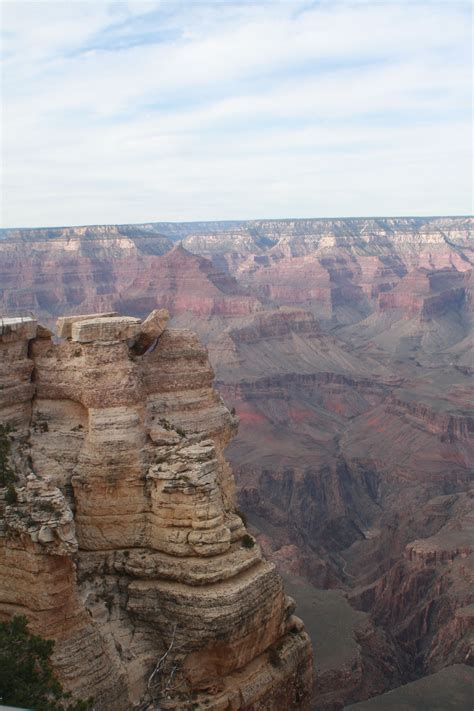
{"x":121,"y":540}
{"x":345,"y":346}
{"x":426,"y":597}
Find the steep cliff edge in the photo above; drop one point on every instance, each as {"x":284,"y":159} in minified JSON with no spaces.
{"x":425,"y":598}
{"x":119,"y":537}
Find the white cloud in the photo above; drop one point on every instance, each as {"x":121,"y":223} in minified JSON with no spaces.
{"x":236,"y":110}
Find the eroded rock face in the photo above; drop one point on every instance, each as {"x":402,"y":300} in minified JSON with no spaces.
{"x":345,"y":347}
{"x":122,"y":541}
{"x":426,"y":596}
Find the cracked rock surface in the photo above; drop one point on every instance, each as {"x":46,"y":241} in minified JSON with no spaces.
{"x":121,"y":539}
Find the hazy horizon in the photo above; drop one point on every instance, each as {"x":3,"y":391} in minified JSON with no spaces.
{"x":236,"y":220}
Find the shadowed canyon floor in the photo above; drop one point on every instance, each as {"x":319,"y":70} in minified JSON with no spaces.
{"x":345,"y":347}
{"x":448,"y":690}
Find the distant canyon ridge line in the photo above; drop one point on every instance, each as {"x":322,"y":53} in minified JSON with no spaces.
{"x":345,"y":347}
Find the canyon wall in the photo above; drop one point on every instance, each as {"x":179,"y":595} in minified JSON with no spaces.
{"x":345,"y":347}
{"x":120,"y":536}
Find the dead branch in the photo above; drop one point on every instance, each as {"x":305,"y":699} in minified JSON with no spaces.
{"x":162,"y":659}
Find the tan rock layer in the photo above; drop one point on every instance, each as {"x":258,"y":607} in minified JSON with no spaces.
{"x":124,"y":542}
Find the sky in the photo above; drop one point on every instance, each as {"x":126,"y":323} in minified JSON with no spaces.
{"x":181,"y":110}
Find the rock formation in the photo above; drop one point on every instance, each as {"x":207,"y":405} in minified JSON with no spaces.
{"x":109,"y":270}
{"x":119,"y":536}
{"x":425,"y":599}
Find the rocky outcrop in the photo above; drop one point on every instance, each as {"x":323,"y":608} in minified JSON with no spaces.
{"x":337,"y":268}
{"x":121,"y":536}
{"x":425,"y":598}
{"x":449,"y":425}
{"x":86,"y":270}
{"x":352,"y":658}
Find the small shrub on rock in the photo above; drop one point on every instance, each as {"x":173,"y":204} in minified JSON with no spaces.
{"x":7,"y":475}
{"x":26,"y":674}
{"x":47,"y":506}
{"x":11,"y":496}
{"x":248,"y":541}
{"x":274,"y":657}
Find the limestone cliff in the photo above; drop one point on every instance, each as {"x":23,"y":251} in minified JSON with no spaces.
{"x":120,"y":538}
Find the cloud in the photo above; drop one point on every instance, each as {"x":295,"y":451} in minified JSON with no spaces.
{"x":121,"y":112}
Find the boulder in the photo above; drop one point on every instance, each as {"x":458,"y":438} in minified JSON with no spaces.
{"x":106,"y":329}
{"x":64,"y":323}
{"x":151,"y":329}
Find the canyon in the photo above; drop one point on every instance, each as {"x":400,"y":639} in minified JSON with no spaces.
{"x":344,"y":348}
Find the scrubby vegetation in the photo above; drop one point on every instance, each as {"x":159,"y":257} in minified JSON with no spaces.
{"x":11,"y":497}
{"x":47,"y":506}
{"x":26,"y":674}
{"x":168,"y":426}
{"x":248,"y":541}
{"x":7,"y":475}
{"x":165,"y":424}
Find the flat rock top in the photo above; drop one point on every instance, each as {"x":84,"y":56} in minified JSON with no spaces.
{"x":64,"y":323}
{"x":451,"y":689}
{"x":112,"y":320}
{"x":106,"y":329}
{"x":23,"y":326}
{"x":13,"y":321}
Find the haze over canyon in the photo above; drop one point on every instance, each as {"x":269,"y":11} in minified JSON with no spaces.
{"x":342,"y":349}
